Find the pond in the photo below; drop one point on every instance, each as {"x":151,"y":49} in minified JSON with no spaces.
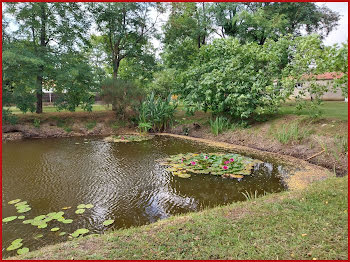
{"x":123,"y":181}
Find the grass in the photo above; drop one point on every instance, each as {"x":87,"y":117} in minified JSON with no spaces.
{"x":330,"y":109}
{"x":292,"y":132}
{"x":310,"y":224}
{"x":51,"y":109}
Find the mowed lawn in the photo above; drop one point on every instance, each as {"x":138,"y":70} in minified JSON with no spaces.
{"x":330,"y":109}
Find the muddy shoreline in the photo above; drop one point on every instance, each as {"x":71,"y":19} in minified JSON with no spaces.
{"x":239,"y":138}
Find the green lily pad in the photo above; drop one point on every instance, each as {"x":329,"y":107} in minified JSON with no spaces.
{"x":80,"y":211}
{"x":81,"y":206}
{"x":108,"y":222}
{"x":54,"y":229}
{"x":23,"y":203}
{"x":80,"y":231}
{"x":42,"y":226}
{"x":15,"y":244}
{"x":67,"y":221}
{"x":8,"y":219}
{"x":23,"y":210}
{"x":62,"y":233}
{"x":29,"y":221}
{"x":39,"y":217}
{"x":22,"y":251}
{"x":61,"y":219}
{"x":38,"y":236}
{"x":21,"y":217}
{"x":89,"y":206}
{"x":14,"y":201}
{"x":184,"y":175}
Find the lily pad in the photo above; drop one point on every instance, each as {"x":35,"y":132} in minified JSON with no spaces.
{"x":14,"y":201}
{"x":38,"y":236}
{"x":8,"y":219}
{"x":15,"y":244}
{"x":184,"y":175}
{"x":80,"y":211}
{"x":21,"y":217}
{"x":54,"y":229}
{"x":44,"y":225}
{"x":81,"y":206}
{"x":89,"y":206}
{"x":39,"y":217}
{"x":22,"y":251}
{"x":23,"y":210}
{"x":80,"y":231}
{"x":62,"y":233}
{"x":108,"y":222}
{"x":67,"y":221}
{"x":23,"y":203}
{"x":29,"y":221}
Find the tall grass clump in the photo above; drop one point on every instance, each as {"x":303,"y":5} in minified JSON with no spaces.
{"x":219,"y":125}
{"x":156,"y":113}
{"x":291,"y":133}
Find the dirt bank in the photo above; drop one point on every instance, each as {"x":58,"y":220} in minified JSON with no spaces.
{"x":320,"y":145}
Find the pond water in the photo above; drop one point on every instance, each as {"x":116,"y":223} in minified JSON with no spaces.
{"x":123,"y":181}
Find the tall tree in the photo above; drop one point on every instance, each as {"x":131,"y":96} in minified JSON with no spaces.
{"x":126,"y":29}
{"x":259,"y":21}
{"x":49,"y":29}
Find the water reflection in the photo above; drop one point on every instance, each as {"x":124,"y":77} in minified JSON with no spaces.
{"x":122,"y":181}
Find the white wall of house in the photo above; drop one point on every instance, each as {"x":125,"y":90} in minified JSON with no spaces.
{"x":328,"y":96}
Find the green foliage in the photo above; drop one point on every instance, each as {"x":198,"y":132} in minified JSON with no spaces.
{"x":164,"y":82}
{"x":36,"y":123}
{"x":158,"y":112}
{"x":226,"y":165}
{"x":219,"y":125}
{"x":91,"y":124}
{"x":293,"y":132}
{"x":8,"y":117}
{"x":239,"y":80}
{"x":123,"y":95}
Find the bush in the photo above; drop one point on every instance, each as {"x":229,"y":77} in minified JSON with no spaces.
{"x":91,"y":125}
{"x":8,"y":117}
{"x":36,"y":123}
{"x":123,"y":95}
{"x":157,"y":113}
{"x":240,"y":80}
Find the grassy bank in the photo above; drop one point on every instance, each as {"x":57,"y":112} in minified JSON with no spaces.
{"x":310,"y":224}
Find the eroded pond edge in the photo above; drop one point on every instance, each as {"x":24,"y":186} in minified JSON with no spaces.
{"x":304,"y":173}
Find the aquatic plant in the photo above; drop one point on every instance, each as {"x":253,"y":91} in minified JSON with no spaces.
{"x":108,"y":222}
{"x":80,"y":231}
{"x":22,"y":251}
{"x":8,"y":219}
{"x":226,"y":165}
{"x":15,"y":244}
{"x":128,"y":138}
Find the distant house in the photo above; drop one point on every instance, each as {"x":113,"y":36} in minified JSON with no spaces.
{"x":326,"y":79}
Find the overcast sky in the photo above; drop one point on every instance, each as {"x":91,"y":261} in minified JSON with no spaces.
{"x":340,"y":34}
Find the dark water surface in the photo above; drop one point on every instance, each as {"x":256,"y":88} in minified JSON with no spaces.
{"x":123,"y":182}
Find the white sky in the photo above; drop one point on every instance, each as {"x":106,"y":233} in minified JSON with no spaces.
{"x":340,"y":34}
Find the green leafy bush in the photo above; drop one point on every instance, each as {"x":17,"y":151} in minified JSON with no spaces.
{"x":8,"y":117}
{"x":123,"y":95}
{"x":36,"y":123}
{"x":240,"y":80}
{"x":158,"y":112}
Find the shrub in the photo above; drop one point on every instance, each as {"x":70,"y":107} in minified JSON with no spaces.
{"x":91,"y":125}
{"x":8,"y":117}
{"x":240,"y":80}
{"x":123,"y":95}
{"x":36,"y":123}
{"x":157,"y":112}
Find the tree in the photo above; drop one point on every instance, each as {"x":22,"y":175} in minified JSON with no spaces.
{"x":240,"y":80}
{"x":259,"y":21}
{"x":125,"y":28}
{"x":48,"y":29}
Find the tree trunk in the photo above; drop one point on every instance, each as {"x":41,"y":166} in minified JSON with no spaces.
{"x":39,"y":91}
{"x":116,"y":63}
